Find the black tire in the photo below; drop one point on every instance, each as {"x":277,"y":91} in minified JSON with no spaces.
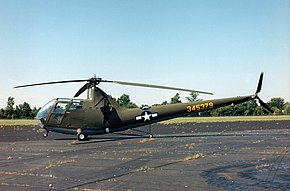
{"x":45,"y":135}
{"x":82,"y":137}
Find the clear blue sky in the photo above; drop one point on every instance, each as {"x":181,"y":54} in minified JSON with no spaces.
{"x":218,"y":46}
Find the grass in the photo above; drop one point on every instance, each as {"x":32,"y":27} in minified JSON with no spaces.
{"x":17,"y":122}
{"x":182,"y":120}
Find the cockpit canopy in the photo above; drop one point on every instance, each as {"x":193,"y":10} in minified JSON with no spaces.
{"x":58,"y":106}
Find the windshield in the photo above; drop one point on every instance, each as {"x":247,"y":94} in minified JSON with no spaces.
{"x":44,"y":111}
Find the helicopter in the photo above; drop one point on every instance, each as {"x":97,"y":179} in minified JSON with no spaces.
{"x":100,"y":114}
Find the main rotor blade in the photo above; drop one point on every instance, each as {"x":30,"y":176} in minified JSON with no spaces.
{"x":259,"y":87}
{"x":265,"y":105}
{"x":96,"y":81}
{"x":47,"y":83}
{"x":81,"y":90}
{"x":159,"y":87}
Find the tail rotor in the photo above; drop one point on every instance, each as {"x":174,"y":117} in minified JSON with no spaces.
{"x":259,"y":87}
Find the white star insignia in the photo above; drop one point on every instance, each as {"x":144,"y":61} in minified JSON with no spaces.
{"x":146,"y":116}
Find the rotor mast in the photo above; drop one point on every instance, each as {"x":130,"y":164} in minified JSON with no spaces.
{"x":91,"y":87}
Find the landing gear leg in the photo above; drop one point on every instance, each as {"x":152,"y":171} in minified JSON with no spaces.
{"x":144,"y":132}
{"x":150,"y":134}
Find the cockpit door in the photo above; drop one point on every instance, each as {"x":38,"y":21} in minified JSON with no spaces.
{"x":65,"y":113}
{"x":58,"y":113}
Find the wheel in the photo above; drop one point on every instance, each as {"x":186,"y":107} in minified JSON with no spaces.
{"x":45,"y":134}
{"x":82,"y":137}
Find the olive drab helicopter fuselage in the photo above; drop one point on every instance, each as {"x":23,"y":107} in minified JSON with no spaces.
{"x":100,"y":114}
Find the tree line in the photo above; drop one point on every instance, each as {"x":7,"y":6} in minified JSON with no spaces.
{"x":278,"y":105}
{"x":21,"y":111}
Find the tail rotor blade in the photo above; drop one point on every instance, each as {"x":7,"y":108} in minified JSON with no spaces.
{"x":259,"y":87}
{"x":265,"y":105}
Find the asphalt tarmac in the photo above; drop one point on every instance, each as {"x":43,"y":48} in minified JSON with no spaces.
{"x":200,"y":156}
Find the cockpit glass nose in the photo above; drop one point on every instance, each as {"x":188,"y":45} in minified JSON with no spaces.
{"x":57,"y":107}
{"x":44,"y":111}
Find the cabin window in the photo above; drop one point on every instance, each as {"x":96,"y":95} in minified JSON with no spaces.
{"x":76,"y":105}
{"x":60,"y":108}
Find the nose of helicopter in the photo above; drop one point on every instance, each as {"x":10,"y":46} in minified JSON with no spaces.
{"x":41,"y":117}
{"x":43,"y":113}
